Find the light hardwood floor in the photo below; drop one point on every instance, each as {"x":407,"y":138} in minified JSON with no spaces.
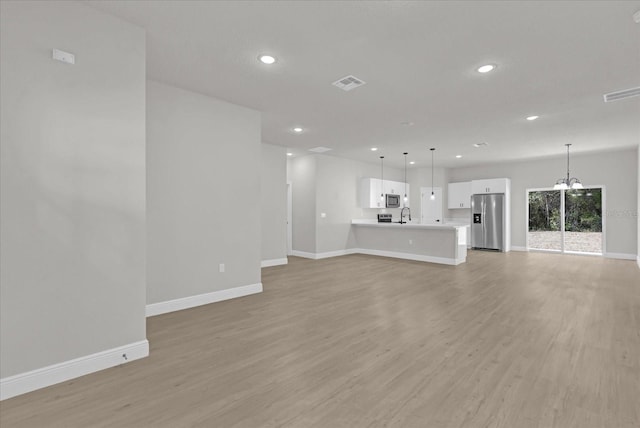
{"x":511,"y":340}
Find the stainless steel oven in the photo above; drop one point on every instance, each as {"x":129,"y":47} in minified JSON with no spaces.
{"x":384,"y":218}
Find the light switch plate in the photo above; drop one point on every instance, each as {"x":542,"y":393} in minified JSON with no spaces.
{"x":63,"y":56}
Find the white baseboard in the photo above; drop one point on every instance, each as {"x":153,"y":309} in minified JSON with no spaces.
{"x":40,"y":378}
{"x":621,"y":256}
{"x":516,"y":248}
{"x":303,"y":254}
{"x":317,"y":256}
{"x":394,"y":254}
{"x":408,"y":256}
{"x":336,"y":253}
{"x":274,"y":262}
{"x":201,"y":299}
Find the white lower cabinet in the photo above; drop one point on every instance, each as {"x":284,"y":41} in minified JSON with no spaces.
{"x":459,"y":195}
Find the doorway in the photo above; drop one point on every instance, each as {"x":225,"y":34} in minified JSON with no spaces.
{"x":430,"y":209}
{"x":566,"y":221}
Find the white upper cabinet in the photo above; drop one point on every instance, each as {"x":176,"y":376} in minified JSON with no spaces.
{"x":370,"y":190}
{"x":398,"y":188}
{"x":492,"y":185}
{"x":394,"y":187}
{"x":459,"y":195}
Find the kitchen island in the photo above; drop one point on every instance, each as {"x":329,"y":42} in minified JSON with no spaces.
{"x":436,"y":243}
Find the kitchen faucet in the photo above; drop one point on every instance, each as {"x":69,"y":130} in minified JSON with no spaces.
{"x":402,"y":214}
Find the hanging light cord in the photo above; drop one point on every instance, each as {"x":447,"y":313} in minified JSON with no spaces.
{"x":405,"y":176}
{"x":568,"y":163}
{"x":432,"y":150}
{"x":381,"y":177}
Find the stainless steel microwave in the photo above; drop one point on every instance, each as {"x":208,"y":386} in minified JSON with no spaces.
{"x":392,"y":201}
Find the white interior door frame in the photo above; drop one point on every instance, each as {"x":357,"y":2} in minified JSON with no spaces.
{"x":289,"y":218}
{"x":425,"y":192}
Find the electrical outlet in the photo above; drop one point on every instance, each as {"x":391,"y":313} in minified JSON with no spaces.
{"x":410,"y":241}
{"x":221,"y":268}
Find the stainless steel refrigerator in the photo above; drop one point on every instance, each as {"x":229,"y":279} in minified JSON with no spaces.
{"x":487,"y":221}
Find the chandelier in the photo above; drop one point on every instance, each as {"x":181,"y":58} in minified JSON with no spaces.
{"x":567,"y":183}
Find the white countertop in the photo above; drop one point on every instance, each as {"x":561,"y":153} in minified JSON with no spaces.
{"x":411,"y":225}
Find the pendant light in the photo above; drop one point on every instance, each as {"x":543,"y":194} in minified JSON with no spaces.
{"x":381,"y":178}
{"x":567,"y":183}
{"x":433,"y":195}
{"x":405,"y":179}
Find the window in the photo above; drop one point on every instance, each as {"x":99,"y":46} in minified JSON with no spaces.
{"x":567,"y":221}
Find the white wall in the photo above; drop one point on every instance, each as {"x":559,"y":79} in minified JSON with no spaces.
{"x":638,"y":210}
{"x":203,"y":194}
{"x":330,"y":185}
{"x":302,"y":174}
{"x":273,"y":181}
{"x":615,"y":170}
{"x":421,"y":177}
{"x":338,"y":196}
{"x":72,"y":185}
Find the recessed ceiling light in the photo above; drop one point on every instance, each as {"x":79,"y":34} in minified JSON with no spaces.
{"x":266,"y":59}
{"x":530,"y":118}
{"x":373,"y":149}
{"x":289,"y":154}
{"x":458,"y":156}
{"x":412,"y":163}
{"x":297,"y":129}
{"x":320,"y":149}
{"x":480,"y":144}
{"x":486,"y":68}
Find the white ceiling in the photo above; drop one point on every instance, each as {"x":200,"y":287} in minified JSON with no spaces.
{"x":418,"y":59}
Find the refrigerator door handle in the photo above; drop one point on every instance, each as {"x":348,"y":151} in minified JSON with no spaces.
{"x":484,"y":222}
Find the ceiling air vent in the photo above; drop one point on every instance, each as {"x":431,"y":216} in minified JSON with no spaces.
{"x":348,"y":83}
{"x":620,"y":95}
{"x":320,"y":149}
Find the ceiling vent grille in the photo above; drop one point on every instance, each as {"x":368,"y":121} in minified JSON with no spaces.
{"x":620,"y":95}
{"x":320,"y":149}
{"x":348,"y":83}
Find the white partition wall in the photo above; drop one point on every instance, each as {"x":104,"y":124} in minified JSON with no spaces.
{"x":204,"y":220}
{"x":72,"y":221}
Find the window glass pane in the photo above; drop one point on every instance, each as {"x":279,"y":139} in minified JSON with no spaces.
{"x":545,"y":220}
{"x":583,"y":220}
